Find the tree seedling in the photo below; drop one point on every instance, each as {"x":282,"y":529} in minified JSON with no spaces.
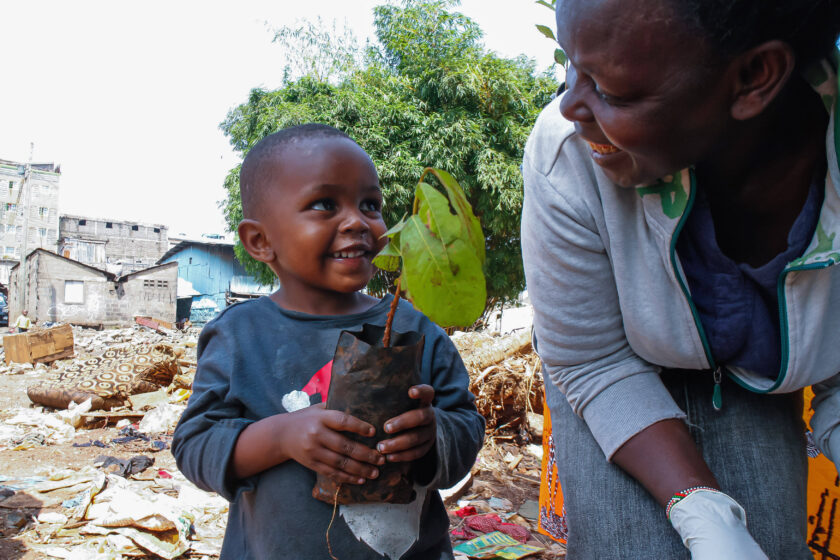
{"x":441,"y":249}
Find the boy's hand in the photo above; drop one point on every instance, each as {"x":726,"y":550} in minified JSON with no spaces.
{"x":313,"y":438}
{"x":416,"y":429}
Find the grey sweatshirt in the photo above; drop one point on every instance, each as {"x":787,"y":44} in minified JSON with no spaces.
{"x":250,"y":357}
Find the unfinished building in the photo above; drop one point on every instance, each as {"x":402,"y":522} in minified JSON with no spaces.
{"x":115,"y":246}
{"x":28,"y":211}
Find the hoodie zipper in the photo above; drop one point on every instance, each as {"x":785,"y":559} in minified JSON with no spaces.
{"x":717,"y":376}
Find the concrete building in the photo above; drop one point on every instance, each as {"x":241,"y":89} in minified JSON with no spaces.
{"x":28,"y":211}
{"x":209,"y":266}
{"x":176,"y":238}
{"x":115,"y":246}
{"x":59,"y":289}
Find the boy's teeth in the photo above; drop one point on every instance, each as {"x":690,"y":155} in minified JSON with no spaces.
{"x":348,"y":254}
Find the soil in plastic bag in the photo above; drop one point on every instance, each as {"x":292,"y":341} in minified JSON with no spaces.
{"x":371,"y":383}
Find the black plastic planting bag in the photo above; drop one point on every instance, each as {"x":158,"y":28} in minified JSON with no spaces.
{"x":371,"y":383}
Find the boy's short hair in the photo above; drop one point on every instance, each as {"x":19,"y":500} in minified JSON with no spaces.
{"x":251,"y":179}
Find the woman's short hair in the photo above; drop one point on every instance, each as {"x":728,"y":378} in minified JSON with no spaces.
{"x":810,"y":27}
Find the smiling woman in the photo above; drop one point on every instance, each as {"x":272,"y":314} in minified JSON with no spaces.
{"x":682,"y":201}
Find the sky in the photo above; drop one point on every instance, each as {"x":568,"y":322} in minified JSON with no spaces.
{"x":128,"y":96}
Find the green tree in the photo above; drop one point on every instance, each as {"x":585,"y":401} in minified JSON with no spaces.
{"x":427,"y":94}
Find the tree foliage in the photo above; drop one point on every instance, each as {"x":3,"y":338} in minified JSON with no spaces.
{"x":427,"y":94}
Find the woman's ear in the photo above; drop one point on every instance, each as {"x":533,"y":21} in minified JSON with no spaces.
{"x":252,"y":236}
{"x":760,"y":74}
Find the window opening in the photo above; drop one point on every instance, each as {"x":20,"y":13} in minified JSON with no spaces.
{"x":74,"y":291}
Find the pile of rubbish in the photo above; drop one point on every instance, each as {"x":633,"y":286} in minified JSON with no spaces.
{"x":94,"y":514}
{"x":129,"y":387}
{"x":128,"y":500}
{"x":505,"y":379}
{"x":494,"y":512}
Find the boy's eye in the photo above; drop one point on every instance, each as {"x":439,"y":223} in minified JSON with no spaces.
{"x":370,"y":205}
{"x":324,"y":205}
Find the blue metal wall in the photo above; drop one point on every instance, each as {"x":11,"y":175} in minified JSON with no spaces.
{"x":210,"y":269}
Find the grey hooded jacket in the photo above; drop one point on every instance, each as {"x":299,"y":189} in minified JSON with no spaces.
{"x":612,"y":306}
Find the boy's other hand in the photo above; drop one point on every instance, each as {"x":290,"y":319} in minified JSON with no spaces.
{"x":416,"y":429}
{"x":313,"y":438}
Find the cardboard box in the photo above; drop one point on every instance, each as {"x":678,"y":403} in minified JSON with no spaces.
{"x":40,"y":346}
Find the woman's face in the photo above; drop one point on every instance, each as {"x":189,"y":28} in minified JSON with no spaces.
{"x":642,"y":89}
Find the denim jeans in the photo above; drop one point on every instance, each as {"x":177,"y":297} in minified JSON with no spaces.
{"x":755,"y":446}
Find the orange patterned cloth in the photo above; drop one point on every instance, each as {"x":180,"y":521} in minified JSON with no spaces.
{"x":823,"y":495}
{"x":552,"y":521}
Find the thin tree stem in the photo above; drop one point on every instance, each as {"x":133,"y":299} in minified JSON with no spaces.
{"x":386,"y":338}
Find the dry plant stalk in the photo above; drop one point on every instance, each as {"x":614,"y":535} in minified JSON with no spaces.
{"x":504,"y":377}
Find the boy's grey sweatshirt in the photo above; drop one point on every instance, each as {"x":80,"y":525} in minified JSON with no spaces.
{"x":251,"y":356}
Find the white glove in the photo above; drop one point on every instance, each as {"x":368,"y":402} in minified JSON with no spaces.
{"x":714,"y":527}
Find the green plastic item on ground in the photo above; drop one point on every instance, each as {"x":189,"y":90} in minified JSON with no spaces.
{"x":496,"y":545}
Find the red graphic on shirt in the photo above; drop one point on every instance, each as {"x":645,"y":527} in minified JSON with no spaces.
{"x":320,"y":382}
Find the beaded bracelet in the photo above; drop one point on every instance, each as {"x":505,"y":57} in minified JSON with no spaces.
{"x":682,"y":494}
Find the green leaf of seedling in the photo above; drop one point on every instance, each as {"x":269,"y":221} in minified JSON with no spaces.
{"x":396,"y":228}
{"x":545,"y":30}
{"x":560,"y":57}
{"x":433,"y":210}
{"x":458,"y":201}
{"x":389,"y":258}
{"x":549,"y":5}
{"x":445,"y":281}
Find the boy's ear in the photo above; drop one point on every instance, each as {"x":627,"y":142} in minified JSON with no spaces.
{"x":760,"y":74}
{"x":252,"y":235}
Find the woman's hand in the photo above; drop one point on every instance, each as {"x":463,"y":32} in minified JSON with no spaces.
{"x":415,"y":430}
{"x":714,"y":526}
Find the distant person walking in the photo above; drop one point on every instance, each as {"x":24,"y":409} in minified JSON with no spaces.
{"x":22,"y":323}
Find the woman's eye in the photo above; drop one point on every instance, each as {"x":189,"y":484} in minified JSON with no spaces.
{"x":325,"y":205}
{"x":605,"y":97}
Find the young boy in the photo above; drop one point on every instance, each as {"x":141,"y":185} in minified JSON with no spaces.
{"x":312,"y":207}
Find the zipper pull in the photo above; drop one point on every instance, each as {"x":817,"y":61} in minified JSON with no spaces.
{"x":717,"y":398}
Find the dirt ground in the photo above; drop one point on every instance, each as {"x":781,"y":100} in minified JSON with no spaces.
{"x":507,"y":469}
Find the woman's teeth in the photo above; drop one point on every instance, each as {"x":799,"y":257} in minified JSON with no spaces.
{"x":348,"y":254}
{"x":603,"y":148}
